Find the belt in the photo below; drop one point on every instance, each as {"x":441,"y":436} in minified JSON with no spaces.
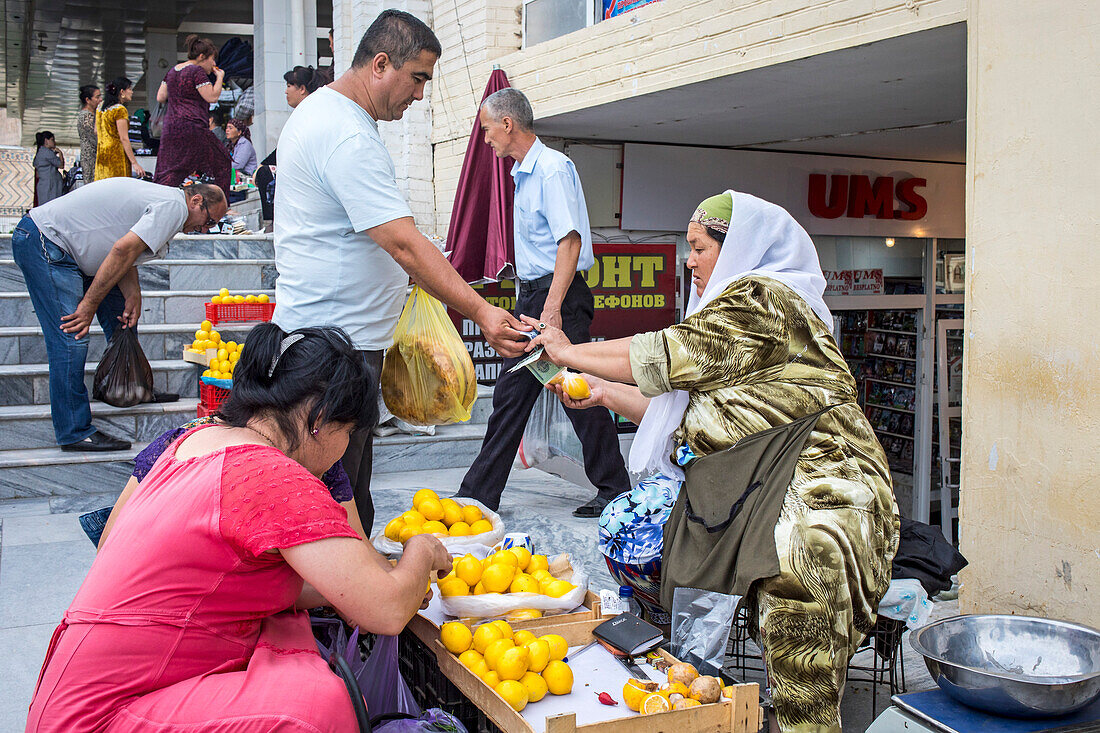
{"x":540,"y":283}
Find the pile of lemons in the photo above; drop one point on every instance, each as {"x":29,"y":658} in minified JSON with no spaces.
{"x":432,"y":515}
{"x":224,"y":298}
{"x":520,"y":666}
{"x":514,"y":570}
{"x":225,"y":360}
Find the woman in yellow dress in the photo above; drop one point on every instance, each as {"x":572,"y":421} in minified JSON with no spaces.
{"x":114,"y":155}
{"x":756,"y":352}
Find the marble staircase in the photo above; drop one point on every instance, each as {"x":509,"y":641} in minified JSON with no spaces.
{"x":174,"y":290}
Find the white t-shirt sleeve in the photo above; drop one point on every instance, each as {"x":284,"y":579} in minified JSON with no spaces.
{"x":160,"y":222}
{"x":362,"y":177}
{"x":560,"y":204}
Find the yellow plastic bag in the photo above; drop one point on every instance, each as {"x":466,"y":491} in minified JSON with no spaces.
{"x":428,"y":376}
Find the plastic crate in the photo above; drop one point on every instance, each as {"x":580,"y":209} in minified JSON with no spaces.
{"x":432,"y":689}
{"x":211,"y":398}
{"x":235,"y":312}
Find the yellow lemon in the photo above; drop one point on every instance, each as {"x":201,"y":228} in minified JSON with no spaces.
{"x":250,"y":298}
{"x":479,"y":589}
{"x":263,"y":298}
{"x":238,"y":299}
{"x":232,"y":345}
{"x":423,"y":494}
{"x":524,"y":614}
{"x":505,"y":557}
{"x":407,"y":533}
{"x":206,"y":326}
{"x":434,"y":527}
{"x":505,"y":629}
{"x":471,"y":514}
{"x":480,"y":526}
{"x":393,"y":529}
{"x":215,"y":365}
{"x":431,"y":509}
{"x":413,"y":518}
{"x":538,"y":655}
{"x":223,"y":292}
{"x":513,"y":692}
{"x":459,"y":529}
{"x":491,"y":678}
{"x":453,"y":587}
{"x":470,"y":657}
{"x":541,"y":575}
{"x":202,"y":334}
{"x":544,"y":584}
{"x":523,"y":637}
{"x":559,"y":678}
{"x":223,"y":354}
{"x":485,"y":635}
{"x":480,"y":668}
{"x":558,"y":646}
{"x":452,"y":512}
{"x":208,"y":373}
{"x":512,"y":664}
{"x":456,"y":636}
{"x":216,"y":299}
{"x":558,"y":588}
{"x":234,"y":356}
{"x":523,"y":555}
{"x":634,"y":691}
{"x":536,"y":686}
{"x":215,"y":337}
{"x":494,"y":650}
{"x":469,"y":569}
{"x":538,"y":562}
{"x":524,"y":583}
{"x":654,"y":702}
{"x":497,"y":577}
{"x":576,"y":387}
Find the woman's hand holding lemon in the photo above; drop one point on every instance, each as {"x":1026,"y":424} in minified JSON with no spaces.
{"x":596,"y":386}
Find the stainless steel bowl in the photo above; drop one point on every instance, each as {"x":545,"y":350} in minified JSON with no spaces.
{"x":1015,"y":666}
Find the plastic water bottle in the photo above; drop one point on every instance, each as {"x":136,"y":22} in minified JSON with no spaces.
{"x":628,"y":601}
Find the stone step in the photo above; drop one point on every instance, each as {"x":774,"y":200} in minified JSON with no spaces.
{"x":53,"y":472}
{"x":25,"y":344}
{"x":28,"y":426}
{"x":157,"y":306}
{"x":202,"y":246}
{"x":207,"y":275}
{"x":28,"y":384}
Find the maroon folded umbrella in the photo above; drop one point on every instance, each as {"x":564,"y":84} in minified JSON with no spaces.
{"x":479,"y":238}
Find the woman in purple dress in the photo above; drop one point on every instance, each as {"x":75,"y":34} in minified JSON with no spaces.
{"x":186,"y":145}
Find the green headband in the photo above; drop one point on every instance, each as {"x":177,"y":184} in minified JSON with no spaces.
{"x":715,"y":213}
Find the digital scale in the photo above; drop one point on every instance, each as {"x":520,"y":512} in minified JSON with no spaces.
{"x":936,"y":712}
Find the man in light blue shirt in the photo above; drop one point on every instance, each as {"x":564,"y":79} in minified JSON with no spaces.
{"x":553,"y":244}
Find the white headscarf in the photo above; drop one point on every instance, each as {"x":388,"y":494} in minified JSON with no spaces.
{"x":763,"y":239}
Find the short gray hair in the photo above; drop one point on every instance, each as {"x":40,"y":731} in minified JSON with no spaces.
{"x":211,"y":194}
{"x":511,"y":103}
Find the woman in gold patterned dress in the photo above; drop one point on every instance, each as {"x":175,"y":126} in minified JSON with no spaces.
{"x":114,"y":156}
{"x":755,"y":352}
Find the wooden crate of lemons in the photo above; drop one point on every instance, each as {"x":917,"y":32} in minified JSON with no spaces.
{"x":219,"y":357}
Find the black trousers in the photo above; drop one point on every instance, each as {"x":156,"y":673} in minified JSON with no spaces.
{"x":515,"y":395}
{"x":359,"y":457}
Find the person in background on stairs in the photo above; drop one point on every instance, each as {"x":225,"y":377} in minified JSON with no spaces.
{"x":345,"y":240}
{"x":79,"y":256}
{"x":48,"y":164}
{"x":553,"y":247}
{"x":90,"y":98}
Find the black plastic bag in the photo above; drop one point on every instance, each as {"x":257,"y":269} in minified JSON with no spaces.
{"x":925,"y":555}
{"x":124,"y":377}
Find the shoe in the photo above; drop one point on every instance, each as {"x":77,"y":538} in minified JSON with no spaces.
{"x":593,"y":508}
{"x":97,"y":441}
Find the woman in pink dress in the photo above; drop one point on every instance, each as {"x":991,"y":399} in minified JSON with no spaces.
{"x":188,"y":619}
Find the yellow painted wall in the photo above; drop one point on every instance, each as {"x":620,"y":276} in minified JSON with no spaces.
{"x":1030,"y":508}
{"x":660,"y":46}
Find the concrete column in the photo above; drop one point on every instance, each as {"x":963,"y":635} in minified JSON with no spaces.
{"x":1031,"y":408}
{"x":161,"y":54}
{"x":283,"y":33}
{"x":409,"y":139}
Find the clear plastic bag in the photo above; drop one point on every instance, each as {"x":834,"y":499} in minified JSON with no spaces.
{"x":492,"y":605}
{"x":123,"y":377}
{"x":906,"y":600}
{"x":549,"y":434}
{"x":428,"y":376}
{"x":433,"y":720}
{"x":454,"y":545}
{"x":701,"y":623}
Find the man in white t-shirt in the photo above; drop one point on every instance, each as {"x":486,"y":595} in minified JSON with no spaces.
{"x":345,"y":240}
{"x":79,"y":255}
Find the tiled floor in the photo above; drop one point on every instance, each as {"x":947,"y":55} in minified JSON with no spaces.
{"x":44,"y":557}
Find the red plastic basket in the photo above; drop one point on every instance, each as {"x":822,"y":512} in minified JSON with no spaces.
{"x":211,"y":398}
{"x":232,"y":312}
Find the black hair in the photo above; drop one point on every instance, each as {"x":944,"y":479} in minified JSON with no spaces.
{"x":40,"y":138}
{"x":399,"y":35}
{"x":321,"y":373}
{"x":197,"y":46}
{"x":87,"y":92}
{"x":112,"y":90}
{"x":717,"y":235}
{"x":304,"y":76}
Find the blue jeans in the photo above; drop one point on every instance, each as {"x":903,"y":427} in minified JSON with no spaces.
{"x":56,"y":286}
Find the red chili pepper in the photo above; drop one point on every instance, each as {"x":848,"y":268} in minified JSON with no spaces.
{"x":607,"y":699}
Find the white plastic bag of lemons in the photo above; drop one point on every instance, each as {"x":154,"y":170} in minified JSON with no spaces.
{"x":475,"y":543}
{"x":490,"y":605}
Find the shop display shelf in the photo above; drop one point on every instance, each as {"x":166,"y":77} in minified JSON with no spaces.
{"x":890,"y":356}
{"x":888,"y":407}
{"x":890,"y":330}
{"x":238,"y":312}
{"x":887,"y":381}
{"x":895,"y":435}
